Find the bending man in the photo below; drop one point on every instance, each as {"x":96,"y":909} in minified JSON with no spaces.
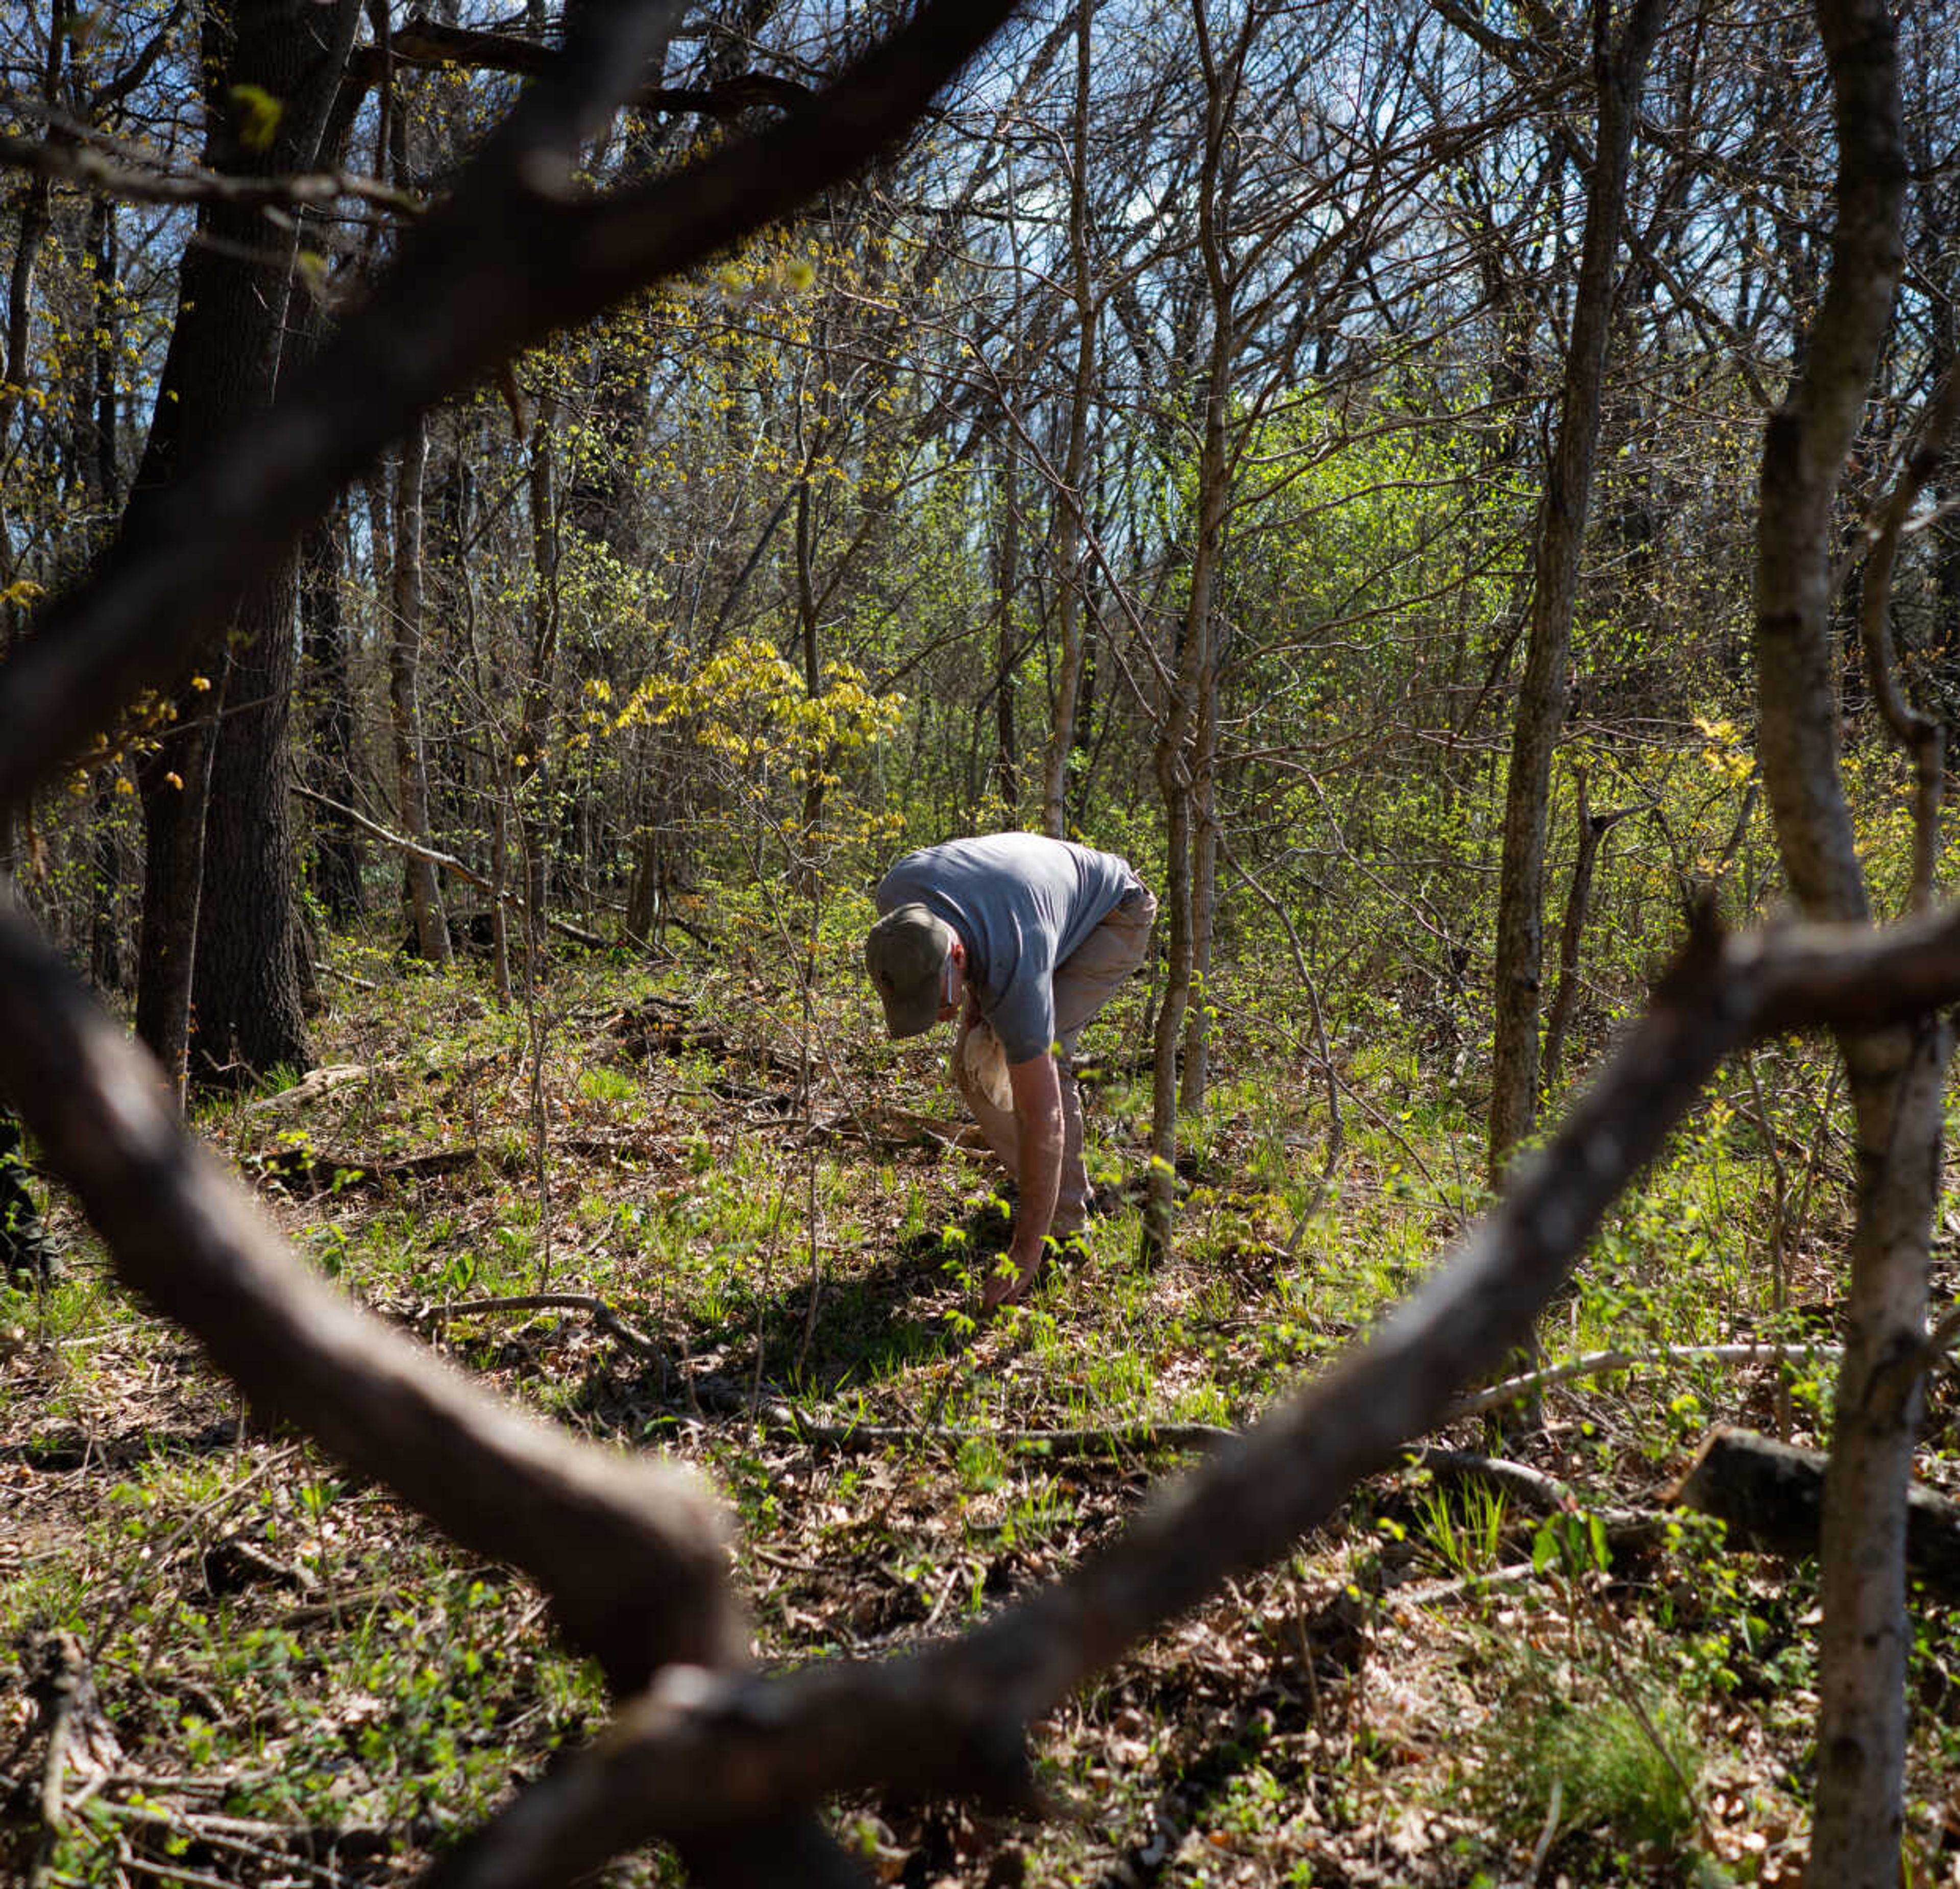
{"x":1023,"y":939}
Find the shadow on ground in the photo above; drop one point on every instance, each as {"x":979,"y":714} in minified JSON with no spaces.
{"x":904,"y":1311}
{"x":908,"y":1309}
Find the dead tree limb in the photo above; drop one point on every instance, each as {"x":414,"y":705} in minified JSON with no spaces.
{"x":724,"y":1763}
{"x":1592,"y":1364}
{"x":90,"y":171}
{"x":431,"y":42}
{"x":630,"y":1551}
{"x":1771,"y":1496}
{"x":630,"y":1554}
{"x":952,"y":1719}
{"x":448,"y":862}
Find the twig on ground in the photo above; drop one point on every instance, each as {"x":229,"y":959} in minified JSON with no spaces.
{"x":1601,"y":1363}
{"x":1433,"y":1593}
{"x":346,"y":977}
{"x":1542,"y":1848}
{"x":64,"y":1691}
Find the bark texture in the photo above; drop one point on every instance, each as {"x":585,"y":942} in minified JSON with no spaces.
{"x":1896,"y":1074}
{"x":1619,"y":65}
{"x":220,"y":940}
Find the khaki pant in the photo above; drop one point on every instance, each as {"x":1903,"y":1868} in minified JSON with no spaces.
{"x":1083,"y":985}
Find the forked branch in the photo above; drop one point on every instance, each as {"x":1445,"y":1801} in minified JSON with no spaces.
{"x":951,"y":1719}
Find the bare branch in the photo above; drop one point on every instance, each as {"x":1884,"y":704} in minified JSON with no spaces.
{"x":629,"y":1551}
{"x":1923,"y":736}
{"x":952,"y":1718}
{"x":90,"y":171}
{"x":430,"y":42}
{"x":448,"y":862}
{"x":1593,"y":1364}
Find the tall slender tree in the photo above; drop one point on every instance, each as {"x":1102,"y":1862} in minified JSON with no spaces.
{"x":1620,"y":55}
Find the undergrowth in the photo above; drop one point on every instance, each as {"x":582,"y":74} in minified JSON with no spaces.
{"x":299,"y":1683}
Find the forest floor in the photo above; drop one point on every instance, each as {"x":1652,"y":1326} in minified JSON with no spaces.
{"x":295,"y":1681}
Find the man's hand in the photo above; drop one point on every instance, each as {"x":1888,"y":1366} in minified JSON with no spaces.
{"x":1037,"y":1085}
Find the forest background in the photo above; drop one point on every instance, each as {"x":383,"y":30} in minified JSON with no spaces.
{"x":1313,"y":452}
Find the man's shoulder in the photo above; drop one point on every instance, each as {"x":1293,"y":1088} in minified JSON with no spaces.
{"x":1039,"y":878}
{"x":1016,"y":854}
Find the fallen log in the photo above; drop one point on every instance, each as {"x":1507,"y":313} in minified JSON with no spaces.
{"x":1771,"y":1496}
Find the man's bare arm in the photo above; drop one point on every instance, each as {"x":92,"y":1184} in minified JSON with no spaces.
{"x":1036,"y":1087}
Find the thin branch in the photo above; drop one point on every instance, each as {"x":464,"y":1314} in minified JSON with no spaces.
{"x":447,"y":861}
{"x":1594,"y":1364}
{"x":429,"y":42}
{"x":90,"y":170}
{"x":628,"y":1549}
{"x":1922,"y":735}
{"x":629,"y":1554}
{"x":598,"y":1310}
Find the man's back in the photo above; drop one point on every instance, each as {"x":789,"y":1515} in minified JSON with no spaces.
{"x":1022,"y":904}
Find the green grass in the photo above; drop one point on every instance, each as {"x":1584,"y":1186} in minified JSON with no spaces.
{"x":1605,"y":1759}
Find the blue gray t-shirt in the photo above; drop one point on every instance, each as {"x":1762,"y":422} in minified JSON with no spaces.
{"x":1023,"y":904}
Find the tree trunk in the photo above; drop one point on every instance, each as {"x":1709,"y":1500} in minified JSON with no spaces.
{"x":246,"y":986}
{"x":175,"y":784}
{"x":1593,"y":828}
{"x":1194,"y":1079}
{"x":1542,"y":695}
{"x":813,"y":682}
{"x":1070,"y":575}
{"x":1180,"y":737}
{"x":1007,"y":644}
{"x":1200,"y":871}
{"x":35,"y":216}
{"x":105,"y":479}
{"x":1896,"y":1076}
{"x":338,"y":851}
{"x":405,"y":661}
{"x":229,"y":881}
{"x":533,"y":770}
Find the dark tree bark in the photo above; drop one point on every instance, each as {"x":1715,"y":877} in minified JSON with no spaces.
{"x":1619,"y":63}
{"x":219,"y":924}
{"x":1180,"y":758}
{"x":37,"y":210}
